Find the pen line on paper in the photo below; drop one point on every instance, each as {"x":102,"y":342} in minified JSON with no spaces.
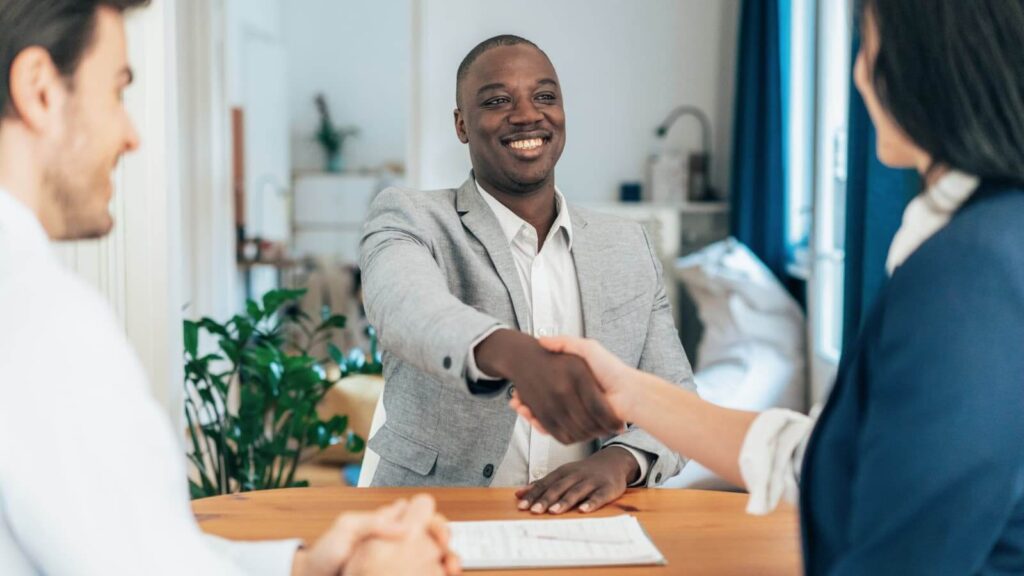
{"x":527,"y":534}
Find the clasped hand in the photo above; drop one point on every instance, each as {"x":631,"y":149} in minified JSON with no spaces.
{"x":557,"y":391}
{"x":560,"y":390}
{"x":407,"y":537}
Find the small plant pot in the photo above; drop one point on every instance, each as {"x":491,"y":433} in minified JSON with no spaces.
{"x":334,"y":162}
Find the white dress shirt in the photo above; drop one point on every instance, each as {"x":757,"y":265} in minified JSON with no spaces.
{"x":773,"y":449}
{"x":548,"y":278}
{"x":92,"y":476}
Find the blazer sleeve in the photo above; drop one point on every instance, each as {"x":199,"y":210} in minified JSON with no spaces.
{"x":663,"y":356}
{"x":939,"y":460}
{"x":406,"y":296}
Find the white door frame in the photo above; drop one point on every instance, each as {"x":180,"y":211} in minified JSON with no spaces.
{"x":208,"y":239}
{"x":149,"y":206}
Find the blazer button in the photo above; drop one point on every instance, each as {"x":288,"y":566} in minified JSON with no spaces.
{"x":511,"y":391}
{"x":488,"y":470}
{"x":447,"y":363}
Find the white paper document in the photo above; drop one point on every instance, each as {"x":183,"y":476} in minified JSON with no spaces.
{"x":614,"y":541}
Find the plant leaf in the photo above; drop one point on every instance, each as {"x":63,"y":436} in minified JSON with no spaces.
{"x":321,"y":435}
{"x":213,"y":327}
{"x":253,"y":310}
{"x":230,"y":349}
{"x":355,"y":443}
{"x":242,"y":327}
{"x":336,"y":354}
{"x":334,"y":321}
{"x":191,"y":338}
{"x":338,"y":424}
{"x":276,"y":372}
{"x":196,"y":491}
{"x":275,"y":298}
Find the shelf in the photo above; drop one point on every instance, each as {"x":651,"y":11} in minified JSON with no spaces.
{"x":681,"y":207}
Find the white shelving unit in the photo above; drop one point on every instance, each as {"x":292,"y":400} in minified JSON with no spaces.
{"x":329,"y":211}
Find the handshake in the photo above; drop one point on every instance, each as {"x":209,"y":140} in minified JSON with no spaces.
{"x":569,"y":388}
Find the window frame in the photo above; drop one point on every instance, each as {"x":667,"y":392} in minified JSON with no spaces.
{"x":827,"y":275}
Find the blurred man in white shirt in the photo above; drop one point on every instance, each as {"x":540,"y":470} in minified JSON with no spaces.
{"x":70,"y":385}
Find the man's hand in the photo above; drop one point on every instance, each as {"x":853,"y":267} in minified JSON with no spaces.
{"x":412,"y":556}
{"x":590,"y":483}
{"x":559,"y":389}
{"x":403,"y":527}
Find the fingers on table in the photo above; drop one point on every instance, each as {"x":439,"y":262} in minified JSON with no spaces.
{"x":557,"y":493}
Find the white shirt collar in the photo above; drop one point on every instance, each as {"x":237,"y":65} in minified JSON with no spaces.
{"x":20,"y":225}
{"x":512,"y":224}
{"x":928,"y":213}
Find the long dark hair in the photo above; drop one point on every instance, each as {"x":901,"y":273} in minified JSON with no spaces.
{"x":951,"y":74}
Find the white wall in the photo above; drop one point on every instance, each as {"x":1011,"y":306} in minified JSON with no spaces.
{"x":257,"y":17}
{"x":253,"y":34}
{"x":138,"y":266}
{"x":209,"y":278}
{"x":623,"y":64}
{"x":358,"y":55}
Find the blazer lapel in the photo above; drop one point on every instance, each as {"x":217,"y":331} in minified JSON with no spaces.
{"x":586,"y":253}
{"x":481,"y":222}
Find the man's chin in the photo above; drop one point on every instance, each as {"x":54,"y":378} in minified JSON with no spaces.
{"x":526,"y":183}
{"x":529,"y":178}
{"x":94,"y":229}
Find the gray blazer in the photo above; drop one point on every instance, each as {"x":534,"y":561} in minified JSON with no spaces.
{"x":437,"y":274}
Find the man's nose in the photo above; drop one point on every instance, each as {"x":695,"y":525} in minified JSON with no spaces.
{"x":525,"y":112}
{"x":132,"y":140}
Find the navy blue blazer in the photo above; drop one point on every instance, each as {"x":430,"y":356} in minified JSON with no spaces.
{"x":916,"y":465}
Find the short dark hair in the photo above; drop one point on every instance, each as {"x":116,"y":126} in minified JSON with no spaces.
{"x":478,"y":50}
{"x":951,"y":74}
{"x":64,"y":28}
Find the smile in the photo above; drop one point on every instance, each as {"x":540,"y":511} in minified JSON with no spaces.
{"x":531,"y":144}
{"x":527,"y":146}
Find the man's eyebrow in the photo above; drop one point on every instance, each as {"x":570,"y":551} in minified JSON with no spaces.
{"x":127,"y":74}
{"x":492,"y":86}
{"x":500,"y":85}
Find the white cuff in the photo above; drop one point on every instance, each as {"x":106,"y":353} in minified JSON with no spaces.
{"x":642,"y":459}
{"x":473,"y":371}
{"x":771,"y":457}
{"x":266,"y":558}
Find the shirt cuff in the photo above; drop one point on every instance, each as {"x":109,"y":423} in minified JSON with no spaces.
{"x":473,"y":371}
{"x":266,"y":558}
{"x":771,"y":457}
{"x":642,"y":459}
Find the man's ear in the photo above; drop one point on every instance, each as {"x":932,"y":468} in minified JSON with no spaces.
{"x":37,"y":88}
{"x":460,"y":127}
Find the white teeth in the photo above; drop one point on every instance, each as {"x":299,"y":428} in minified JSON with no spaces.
{"x":531,"y":144}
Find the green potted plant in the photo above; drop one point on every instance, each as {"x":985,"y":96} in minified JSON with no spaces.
{"x":331,"y":138}
{"x":251,"y":405}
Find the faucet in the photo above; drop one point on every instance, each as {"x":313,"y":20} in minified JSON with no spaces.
{"x":698,"y":164}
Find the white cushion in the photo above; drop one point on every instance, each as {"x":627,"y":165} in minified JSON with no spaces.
{"x":752,"y":355}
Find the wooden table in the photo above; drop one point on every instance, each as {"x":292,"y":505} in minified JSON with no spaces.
{"x":699,"y":532}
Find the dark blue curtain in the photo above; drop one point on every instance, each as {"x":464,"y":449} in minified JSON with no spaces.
{"x":758,"y":196}
{"x":875,"y":199}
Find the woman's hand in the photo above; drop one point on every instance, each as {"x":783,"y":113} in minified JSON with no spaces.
{"x":617,"y":380}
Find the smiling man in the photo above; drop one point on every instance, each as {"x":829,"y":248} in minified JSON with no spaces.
{"x":459,"y":282}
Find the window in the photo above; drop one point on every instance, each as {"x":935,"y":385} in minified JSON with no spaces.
{"x":815,"y":44}
{"x":833,"y":73}
{"x":797,"y":31}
